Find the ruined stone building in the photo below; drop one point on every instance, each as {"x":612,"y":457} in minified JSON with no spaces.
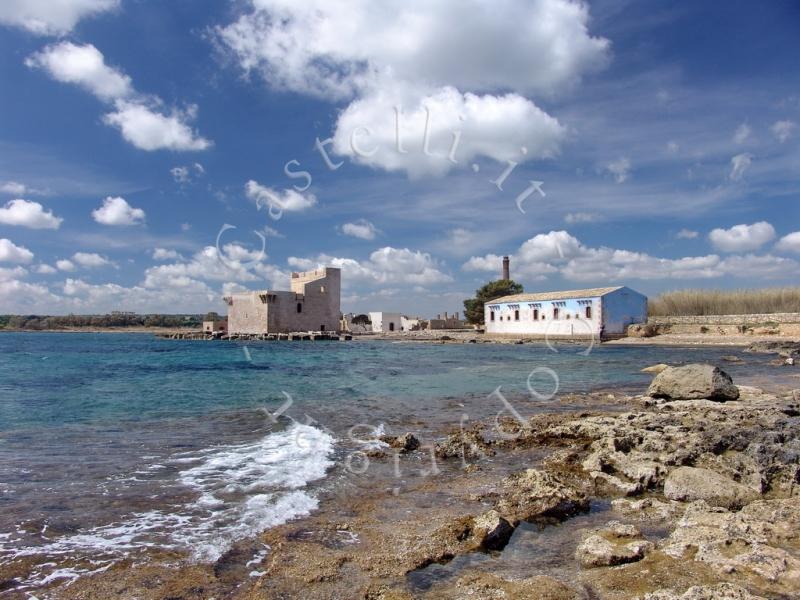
{"x":313,"y":304}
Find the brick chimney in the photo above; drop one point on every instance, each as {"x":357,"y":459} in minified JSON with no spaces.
{"x":506,"y":272}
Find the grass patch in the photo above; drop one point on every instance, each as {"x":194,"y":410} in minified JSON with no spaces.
{"x":725,"y":302}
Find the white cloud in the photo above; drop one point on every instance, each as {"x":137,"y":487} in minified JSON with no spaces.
{"x":381,"y":55}
{"x":51,"y":17}
{"x":739,"y":164}
{"x":28,"y":214}
{"x":326,"y":49}
{"x":783,"y":130}
{"x":116,"y":211}
{"x":141,"y":120}
{"x":44,"y":269}
{"x":789,"y":243}
{"x":496,"y":127}
{"x":65,"y":265}
{"x":165,"y":254}
{"x":361,"y":229}
{"x":687,"y":234}
{"x":148,"y":129}
{"x":10,"y":252}
{"x":90,"y":259}
{"x":386,"y":265}
{"x":13,"y":188}
{"x":288,"y":200}
{"x":581,"y":217}
{"x":619,"y":168}
{"x":742,"y":238}
{"x":83,"y":66}
{"x":742,"y":133}
{"x":558,"y":252}
{"x":13,"y":273}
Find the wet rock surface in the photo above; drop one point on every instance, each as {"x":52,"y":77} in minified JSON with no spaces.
{"x":705,"y":497}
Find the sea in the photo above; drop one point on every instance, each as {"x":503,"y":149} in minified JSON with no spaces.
{"x":116,"y":445}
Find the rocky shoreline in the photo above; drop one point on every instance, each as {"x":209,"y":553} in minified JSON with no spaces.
{"x":660,"y":496}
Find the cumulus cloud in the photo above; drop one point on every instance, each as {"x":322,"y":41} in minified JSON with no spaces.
{"x":558,"y":252}
{"x":789,"y":243}
{"x":141,"y":120}
{"x":361,"y":229}
{"x":739,"y":164}
{"x":65,"y":265}
{"x":507,"y":127}
{"x":619,"y":168}
{"x":90,"y":259}
{"x":83,"y":66}
{"x":51,"y":17}
{"x":742,"y":238}
{"x":381,"y":55}
{"x":28,"y":214}
{"x":117,"y":211}
{"x":783,"y":130}
{"x":10,"y":252}
{"x":165,"y":254}
{"x":44,"y":269}
{"x":385,"y":265}
{"x":335,"y":50}
{"x":149,"y":129}
{"x":288,"y":200}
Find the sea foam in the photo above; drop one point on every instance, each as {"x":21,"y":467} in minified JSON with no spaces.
{"x":241,"y":490}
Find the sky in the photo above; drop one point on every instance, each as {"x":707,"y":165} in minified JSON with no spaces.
{"x":155,"y":156}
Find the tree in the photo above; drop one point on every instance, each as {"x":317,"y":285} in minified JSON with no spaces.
{"x":473,"y":307}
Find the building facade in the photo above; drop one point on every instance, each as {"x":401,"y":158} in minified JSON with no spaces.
{"x":385,"y":322}
{"x":596,"y":312}
{"x":313,"y":304}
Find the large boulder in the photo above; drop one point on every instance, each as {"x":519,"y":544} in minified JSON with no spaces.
{"x":688,"y":484}
{"x":693,"y":382}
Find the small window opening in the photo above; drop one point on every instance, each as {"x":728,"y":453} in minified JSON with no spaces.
{"x":555,"y":313}
{"x":491,"y":316}
{"x":299,"y":307}
{"x":516,"y":315}
{"x":588,"y":312}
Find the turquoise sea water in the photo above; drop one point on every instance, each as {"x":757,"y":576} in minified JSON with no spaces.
{"x":110,"y":443}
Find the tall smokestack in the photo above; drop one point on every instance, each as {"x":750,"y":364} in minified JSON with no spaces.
{"x":506,"y":272}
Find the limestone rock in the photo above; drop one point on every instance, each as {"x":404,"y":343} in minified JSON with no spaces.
{"x":533,"y":493}
{"x":465,"y":444}
{"x":407,"y":442}
{"x":688,"y":484}
{"x":491,"y":531}
{"x":695,"y":381}
{"x":782,"y":347}
{"x":721,"y":591}
{"x":655,"y":368}
{"x":759,"y":543}
{"x":597,"y":551}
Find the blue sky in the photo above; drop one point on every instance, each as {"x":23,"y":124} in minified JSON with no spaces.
{"x":661,"y":149}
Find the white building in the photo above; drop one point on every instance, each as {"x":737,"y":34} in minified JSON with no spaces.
{"x":384,"y":322}
{"x":576,"y":313}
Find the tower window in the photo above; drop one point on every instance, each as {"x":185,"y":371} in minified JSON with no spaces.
{"x":588,"y":312}
{"x":516,"y":315}
{"x":299,"y":307}
{"x":535,"y":314}
{"x":555,"y":313}
{"x":491,"y":316}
